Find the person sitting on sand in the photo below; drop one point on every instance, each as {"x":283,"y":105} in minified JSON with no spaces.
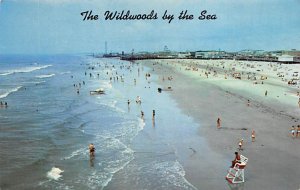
{"x":92,"y":149}
{"x":293,"y":131}
{"x":237,"y":159}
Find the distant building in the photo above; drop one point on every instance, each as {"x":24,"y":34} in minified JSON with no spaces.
{"x":210,"y":54}
{"x":288,"y":58}
{"x":183,"y":55}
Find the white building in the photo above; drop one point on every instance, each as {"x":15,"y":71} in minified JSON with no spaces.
{"x":289,"y":59}
{"x":182,"y":55}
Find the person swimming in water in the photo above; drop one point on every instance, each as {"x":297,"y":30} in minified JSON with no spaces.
{"x":92,"y":149}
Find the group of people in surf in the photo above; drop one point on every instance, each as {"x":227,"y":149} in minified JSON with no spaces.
{"x":295,"y":132}
{"x":3,"y":104}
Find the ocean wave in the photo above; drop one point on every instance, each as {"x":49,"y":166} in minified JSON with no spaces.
{"x":45,"y":76}
{"x":8,"y":92}
{"x":33,"y":82}
{"x":24,"y":70}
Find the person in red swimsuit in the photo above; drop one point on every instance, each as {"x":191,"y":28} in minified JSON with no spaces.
{"x":237,"y":159}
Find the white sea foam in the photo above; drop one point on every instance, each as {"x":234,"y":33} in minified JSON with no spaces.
{"x":174,"y":173}
{"x":67,"y":72}
{"x":112,"y":104}
{"x":10,"y":91}
{"x":24,"y":70}
{"x":33,"y":82}
{"x":45,"y":76}
{"x":141,"y":124}
{"x":54,"y":173}
{"x":106,"y":84}
{"x":78,"y":152}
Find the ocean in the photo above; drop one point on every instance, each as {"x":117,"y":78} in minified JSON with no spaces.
{"x":51,"y":118}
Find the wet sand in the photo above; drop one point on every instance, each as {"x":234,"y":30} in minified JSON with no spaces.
{"x":273,"y":157}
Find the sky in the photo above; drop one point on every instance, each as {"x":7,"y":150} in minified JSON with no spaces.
{"x":56,"y":26}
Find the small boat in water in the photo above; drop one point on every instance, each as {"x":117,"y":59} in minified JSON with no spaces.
{"x":97,"y":91}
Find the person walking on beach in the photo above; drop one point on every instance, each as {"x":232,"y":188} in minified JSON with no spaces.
{"x":142,"y":114}
{"x":237,"y":159}
{"x":138,"y":100}
{"x":266,"y":93}
{"x":92,"y":149}
{"x":218,"y":123}
{"x":253,"y":135}
{"x":153,"y":114}
{"x":241,"y":142}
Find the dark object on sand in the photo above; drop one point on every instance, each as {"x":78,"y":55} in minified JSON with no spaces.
{"x":169,"y":88}
{"x":97,"y":91}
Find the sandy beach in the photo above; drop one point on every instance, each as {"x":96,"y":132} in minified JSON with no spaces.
{"x":273,"y":157}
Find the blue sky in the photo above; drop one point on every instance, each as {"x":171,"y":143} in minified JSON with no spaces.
{"x":56,"y":26}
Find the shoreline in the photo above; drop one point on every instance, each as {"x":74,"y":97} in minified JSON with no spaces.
{"x":266,"y":169}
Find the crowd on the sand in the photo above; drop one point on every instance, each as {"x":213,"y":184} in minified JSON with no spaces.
{"x":215,"y":70}
{"x":251,"y":71}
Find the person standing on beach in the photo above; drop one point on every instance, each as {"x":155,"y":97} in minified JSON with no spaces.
{"x":138,"y":100}
{"x":248,"y":103}
{"x":142,"y":114}
{"x":266,"y":93}
{"x":153,"y":114}
{"x":241,"y":142}
{"x":218,"y":123}
{"x":253,"y":135}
